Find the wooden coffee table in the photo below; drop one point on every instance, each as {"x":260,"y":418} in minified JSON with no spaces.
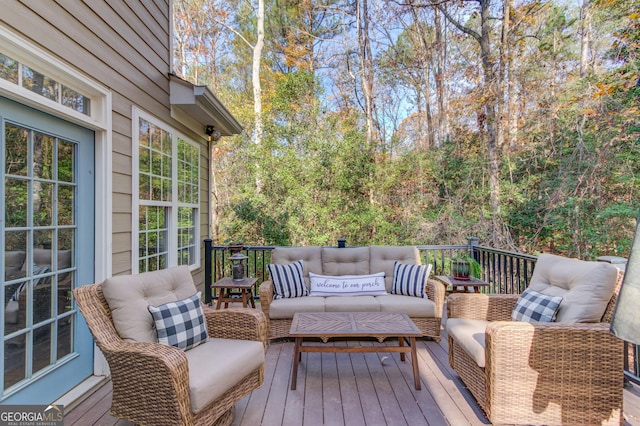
{"x":354,"y":324}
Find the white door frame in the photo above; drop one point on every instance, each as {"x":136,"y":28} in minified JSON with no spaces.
{"x":99,"y":120}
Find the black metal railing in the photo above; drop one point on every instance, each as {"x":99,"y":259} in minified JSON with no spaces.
{"x":506,"y":272}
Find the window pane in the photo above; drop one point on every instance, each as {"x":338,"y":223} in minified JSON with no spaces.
{"x":15,"y":305}
{"x":39,"y":83}
{"x":8,"y":69}
{"x":42,"y":203}
{"x":16,"y":152}
{"x":65,"y":336}
{"x":41,"y":347}
{"x":16,"y":198}
{"x":15,"y":246}
{"x":65,"y":204}
{"x":75,"y":100}
{"x":15,"y":365}
{"x":186,"y":236}
{"x":43,"y":156}
{"x":65,"y":161}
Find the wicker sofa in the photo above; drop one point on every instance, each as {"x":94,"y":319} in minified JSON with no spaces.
{"x":158,"y":384}
{"x":563,"y":372}
{"x":426,"y":313}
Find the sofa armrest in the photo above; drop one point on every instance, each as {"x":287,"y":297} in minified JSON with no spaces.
{"x":436,"y":292}
{"x":528,"y":361}
{"x":265,"y":290}
{"x":237,"y":323}
{"x":488,"y":307}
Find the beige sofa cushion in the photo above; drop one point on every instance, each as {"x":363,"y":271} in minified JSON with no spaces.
{"x":285,"y":308}
{"x":43,"y":257}
{"x":351,"y":304}
{"x":13,"y":261}
{"x":413,"y":306}
{"x":129,"y":295}
{"x":382,"y":259}
{"x":345,"y":261}
{"x":233,"y":359}
{"x":470,"y":335}
{"x":585,"y":287}
{"x":311,"y":258}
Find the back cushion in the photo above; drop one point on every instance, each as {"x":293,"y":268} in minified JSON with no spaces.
{"x":129,"y":295}
{"x":585,"y":287}
{"x":311,"y":259}
{"x":13,"y":261}
{"x":42,"y":257}
{"x":345,"y":261}
{"x":383,"y":258}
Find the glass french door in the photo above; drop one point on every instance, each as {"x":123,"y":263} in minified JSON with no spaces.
{"x":47,"y":231}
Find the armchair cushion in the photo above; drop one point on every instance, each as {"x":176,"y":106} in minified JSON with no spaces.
{"x":470,"y":335}
{"x":129,"y":295}
{"x":217,"y":365}
{"x":180,"y":324}
{"x":410,"y":280}
{"x":536,"y":307}
{"x":287,"y":280}
{"x":586,"y":287}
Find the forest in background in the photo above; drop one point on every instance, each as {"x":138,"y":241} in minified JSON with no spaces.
{"x":422,"y":121}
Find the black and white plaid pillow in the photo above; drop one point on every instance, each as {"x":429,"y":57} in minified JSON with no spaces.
{"x":287,"y":280}
{"x":181,"y":323}
{"x":536,"y":307}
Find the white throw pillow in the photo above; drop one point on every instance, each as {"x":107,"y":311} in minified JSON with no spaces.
{"x":347,"y":285}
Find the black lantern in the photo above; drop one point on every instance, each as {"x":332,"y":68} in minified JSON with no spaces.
{"x":238,"y":266}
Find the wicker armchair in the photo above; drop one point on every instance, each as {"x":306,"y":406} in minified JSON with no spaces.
{"x":539,"y":373}
{"x":151,"y":380}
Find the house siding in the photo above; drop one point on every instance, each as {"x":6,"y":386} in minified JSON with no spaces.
{"x":124,"y":45}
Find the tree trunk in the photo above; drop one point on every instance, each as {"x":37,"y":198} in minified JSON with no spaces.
{"x":258,"y":131}
{"x":585,"y":36}
{"x":489,"y":105}
{"x":441,"y":95}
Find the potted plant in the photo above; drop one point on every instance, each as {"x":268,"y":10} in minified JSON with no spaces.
{"x":465,"y":267}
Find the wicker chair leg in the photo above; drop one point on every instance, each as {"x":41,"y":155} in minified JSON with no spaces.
{"x":226,"y":419}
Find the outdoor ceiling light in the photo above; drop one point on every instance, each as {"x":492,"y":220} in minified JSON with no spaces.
{"x":214,"y":135}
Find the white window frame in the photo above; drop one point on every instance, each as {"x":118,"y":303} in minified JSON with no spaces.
{"x":172,"y":206}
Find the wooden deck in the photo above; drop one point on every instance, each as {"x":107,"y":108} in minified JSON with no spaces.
{"x":348,"y":389}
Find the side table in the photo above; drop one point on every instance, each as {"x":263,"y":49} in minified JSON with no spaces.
{"x":462,"y":286}
{"x":227,"y":295}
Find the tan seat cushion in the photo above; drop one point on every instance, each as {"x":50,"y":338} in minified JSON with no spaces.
{"x":285,"y":308}
{"x":351,"y":304}
{"x":469,"y":334}
{"x":383,"y":258}
{"x":233,"y":360}
{"x":413,"y":306}
{"x":585,"y":287}
{"x":345,"y":261}
{"x":13,"y":261}
{"x":129,"y":295}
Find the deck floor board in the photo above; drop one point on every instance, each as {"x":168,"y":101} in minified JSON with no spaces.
{"x":347,"y":389}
